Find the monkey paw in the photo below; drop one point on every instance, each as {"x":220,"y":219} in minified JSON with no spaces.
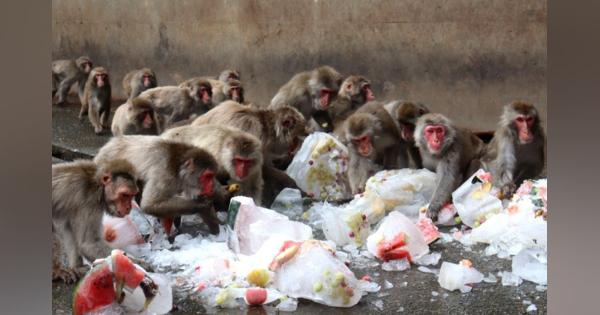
{"x":508,"y":190}
{"x":68,"y":275}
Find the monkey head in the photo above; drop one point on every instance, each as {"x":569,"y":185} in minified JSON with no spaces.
{"x":522,"y":119}
{"x":234,"y":90}
{"x":290,"y":130}
{"x":201,"y":90}
{"x":357,"y":89}
{"x":245,"y":153}
{"x":196,"y":171}
{"x":148,"y":78}
{"x":359,"y":133}
{"x":142,"y":113}
{"x":84,"y":63}
{"x":435,"y":133}
{"x":406,"y":115}
{"x":119,"y":182}
{"x":324,"y":84}
{"x":229,"y":74}
{"x":99,"y":77}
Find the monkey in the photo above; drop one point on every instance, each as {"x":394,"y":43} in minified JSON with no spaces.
{"x":280,"y":130}
{"x":229,"y":74}
{"x":177,"y":178}
{"x":239,"y":154}
{"x":518,"y":149}
{"x":309,"y":91}
{"x":96,"y":99}
{"x":373,"y":144}
{"x":135,"y":117}
{"x":405,"y":115}
{"x":81,"y":193}
{"x":355,"y":91}
{"x":221,"y":91}
{"x":453,"y":153}
{"x":174,"y":104}
{"x":67,"y":72}
{"x":137,"y":81}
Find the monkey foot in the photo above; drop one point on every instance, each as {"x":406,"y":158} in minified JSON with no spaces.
{"x":67,"y":275}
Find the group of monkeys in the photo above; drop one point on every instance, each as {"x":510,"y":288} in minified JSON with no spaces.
{"x":189,"y":148}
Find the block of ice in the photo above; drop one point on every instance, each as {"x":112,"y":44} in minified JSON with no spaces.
{"x":123,"y":232}
{"x":532,"y":265}
{"x":458,"y":277}
{"x":475,"y":200}
{"x":397,"y":236}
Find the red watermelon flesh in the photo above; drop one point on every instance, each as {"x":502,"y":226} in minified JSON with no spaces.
{"x":126,"y":271}
{"x":94,"y":291}
{"x":428,"y":229}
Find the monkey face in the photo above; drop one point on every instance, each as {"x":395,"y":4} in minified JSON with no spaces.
{"x":87,"y":67}
{"x":242,"y":166}
{"x":523,"y":124}
{"x":363,"y":144}
{"x":101,"y":79}
{"x":119,"y":193}
{"x":147,"y":80}
{"x":206,"y":182}
{"x":236,"y":94}
{"x":324,"y":97}
{"x":198,"y":179}
{"x":205,"y":94}
{"x":434,"y":135}
{"x":366,"y":92}
{"x":145,"y":119}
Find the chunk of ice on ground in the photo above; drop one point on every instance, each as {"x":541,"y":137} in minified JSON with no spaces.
{"x":531,"y":308}
{"x":401,"y":309}
{"x":396,"y":265}
{"x":378,"y":304}
{"x":541,"y":288}
{"x":387,"y":284}
{"x":369,"y":286}
{"x":429,"y":259}
{"x":288,"y":305}
{"x":490,"y":278}
{"x":455,"y":276}
{"x":510,"y":279}
{"x":531,"y":264}
{"x":435,"y":293}
{"x":526,"y":302}
{"x":404,"y":284}
{"x":428,"y":270}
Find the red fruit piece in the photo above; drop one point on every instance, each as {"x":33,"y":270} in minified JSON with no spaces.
{"x":94,"y":291}
{"x":256,"y":296}
{"x":125,"y":270}
{"x":396,"y":253}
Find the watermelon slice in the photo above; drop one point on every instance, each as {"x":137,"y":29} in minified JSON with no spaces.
{"x":125,"y":271}
{"x":428,"y":229}
{"x":392,"y":250}
{"x":95,"y":290}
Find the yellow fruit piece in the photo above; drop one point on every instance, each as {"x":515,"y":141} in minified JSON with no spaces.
{"x":317,"y":287}
{"x":258,"y":277}
{"x":233,"y":188}
{"x":339,"y":277}
{"x":222,"y":296}
{"x":486,"y":187}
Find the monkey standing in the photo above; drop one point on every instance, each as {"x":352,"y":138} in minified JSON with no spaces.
{"x":96,"y":99}
{"x":81,"y":193}
{"x":518,"y":149}
{"x":135,"y":117}
{"x":177,"y":178}
{"x":373,"y":144}
{"x":405,"y":115}
{"x":355,"y":91}
{"x":453,"y":153}
{"x":309,"y":91}
{"x":137,"y":81}
{"x":67,"y":72}
{"x":174,"y":104}
{"x":239,"y":154}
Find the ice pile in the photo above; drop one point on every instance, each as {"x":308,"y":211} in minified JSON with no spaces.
{"x":458,"y":276}
{"x":476,"y":199}
{"x":319,"y":167}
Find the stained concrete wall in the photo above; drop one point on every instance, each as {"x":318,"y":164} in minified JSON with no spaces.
{"x":462,"y":58}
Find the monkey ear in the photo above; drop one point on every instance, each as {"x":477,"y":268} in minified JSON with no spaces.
{"x":189,"y":164}
{"x":106,"y":178}
{"x":287,"y":123}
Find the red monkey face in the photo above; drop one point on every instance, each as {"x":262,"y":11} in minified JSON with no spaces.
{"x":434,"y":134}
{"x":363,"y":145}
{"x":206,"y":182}
{"x":119,"y":194}
{"x":524,"y":124}
{"x":325,"y":98}
{"x":235,"y":94}
{"x":147,"y":121}
{"x":205,"y":94}
{"x":101,"y":79}
{"x":147,"y":80}
{"x":242,"y":166}
{"x":368,"y":93}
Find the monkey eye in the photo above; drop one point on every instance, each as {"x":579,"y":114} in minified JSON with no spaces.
{"x":366,"y":86}
{"x":520,"y":119}
{"x":529,"y":120}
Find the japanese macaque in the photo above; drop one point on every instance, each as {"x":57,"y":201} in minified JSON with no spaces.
{"x":229,"y":74}
{"x":137,"y":81}
{"x":518,"y":149}
{"x":354,"y":92}
{"x":453,"y":153}
{"x":67,"y":72}
{"x":405,"y":115}
{"x":239,"y":154}
{"x":177,"y":178}
{"x":309,"y":91}
{"x":174,"y":104}
{"x":280,"y":130}
{"x":373,"y":144}
{"x":221,"y":90}
{"x":81,"y":193}
{"x":96,"y":99}
{"x":135,"y":117}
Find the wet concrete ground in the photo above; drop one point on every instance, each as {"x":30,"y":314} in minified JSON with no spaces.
{"x":412,"y":289}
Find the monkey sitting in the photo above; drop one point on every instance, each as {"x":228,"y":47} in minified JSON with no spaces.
{"x":81,"y":194}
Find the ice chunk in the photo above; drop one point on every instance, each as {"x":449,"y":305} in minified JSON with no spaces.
{"x":531,"y":265}
{"x":526,"y":302}
{"x":490,"y":278}
{"x":475,"y":200}
{"x":253,"y":225}
{"x":428,"y":270}
{"x":369,"y":286}
{"x":401,"y":309}
{"x":387,"y":284}
{"x":319,"y":167}
{"x":344,"y":225}
{"x":289,"y":202}
{"x":510,"y":279}
{"x":541,"y":288}
{"x":435,"y":293}
{"x":457,"y":276}
{"x":110,"y":309}
{"x":396,"y":235}
{"x":378,"y":304}
{"x":396,"y":265}
{"x":120,"y":232}
{"x":531,"y":308}
{"x":314,"y":272}
{"x":288,"y":305}
{"x":429,"y":259}
{"x":146,"y":224}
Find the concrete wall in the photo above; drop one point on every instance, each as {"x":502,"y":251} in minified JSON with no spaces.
{"x":462,"y":58}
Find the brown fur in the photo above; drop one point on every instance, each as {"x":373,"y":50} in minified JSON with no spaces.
{"x":174,"y":104}
{"x":405,"y":115}
{"x":67,"y":72}
{"x":128,"y":118}
{"x":96,"y":100}
{"x":133,"y":83}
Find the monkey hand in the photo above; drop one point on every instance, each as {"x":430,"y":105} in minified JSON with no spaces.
{"x":507,"y":190}
{"x":67,"y":275}
{"x":433,"y":210}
